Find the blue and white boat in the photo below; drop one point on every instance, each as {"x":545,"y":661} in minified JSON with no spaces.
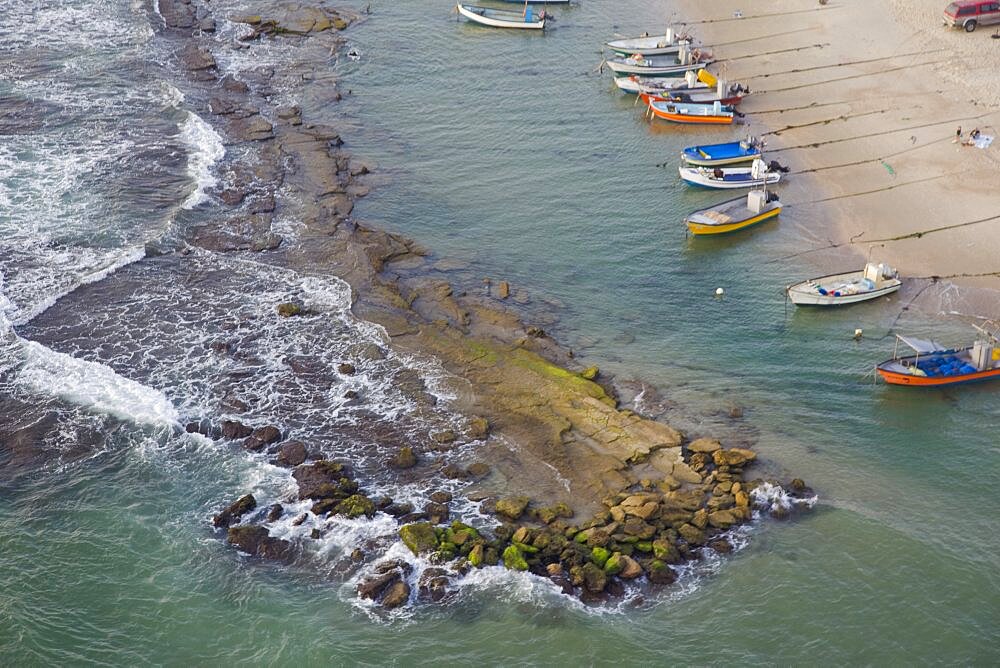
{"x":501,"y":18}
{"x":730,"y":153}
{"x":725,"y":178}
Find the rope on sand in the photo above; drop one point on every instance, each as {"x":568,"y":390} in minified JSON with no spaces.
{"x":844,"y":64}
{"x":825,"y":121}
{"x":758,"y":16}
{"x":773,"y":53}
{"x":912,"y":235}
{"x":964,"y":119}
{"x":854,"y":76}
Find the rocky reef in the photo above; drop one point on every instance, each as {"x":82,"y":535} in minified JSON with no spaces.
{"x":552,"y":443}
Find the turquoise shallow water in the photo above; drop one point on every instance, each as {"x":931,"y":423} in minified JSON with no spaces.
{"x":508,"y":152}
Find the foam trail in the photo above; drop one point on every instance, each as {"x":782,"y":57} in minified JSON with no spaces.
{"x":94,"y":386}
{"x":206,"y":149}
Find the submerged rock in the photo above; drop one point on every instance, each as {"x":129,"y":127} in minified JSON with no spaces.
{"x":291,"y":453}
{"x":405,"y":458}
{"x":289,"y":309}
{"x":232,"y":430}
{"x":256,"y":540}
{"x":235,"y":511}
{"x":396,"y":595}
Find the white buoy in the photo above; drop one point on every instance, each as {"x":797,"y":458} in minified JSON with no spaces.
{"x":719,"y":292}
{"x":858,"y":333}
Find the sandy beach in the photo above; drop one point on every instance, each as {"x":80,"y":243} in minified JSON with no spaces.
{"x":863,"y":101}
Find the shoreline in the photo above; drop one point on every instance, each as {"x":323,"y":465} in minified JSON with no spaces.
{"x":558,"y":442}
{"x":874,"y":139}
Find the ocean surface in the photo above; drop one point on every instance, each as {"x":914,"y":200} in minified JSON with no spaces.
{"x":510,"y":156}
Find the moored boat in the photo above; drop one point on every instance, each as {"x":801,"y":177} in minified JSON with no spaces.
{"x":502,"y":18}
{"x":872,"y":282}
{"x":686,"y":95}
{"x":688,"y":112}
{"x":701,"y":87}
{"x":725,"y":178}
{"x":737,"y":214}
{"x":935,"y":366}
{"x":646,"y":45}
{"x":729,"y":153}
{"x":655,"y":66}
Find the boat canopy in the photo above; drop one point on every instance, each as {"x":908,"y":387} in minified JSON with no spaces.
{"x":922,"y":346}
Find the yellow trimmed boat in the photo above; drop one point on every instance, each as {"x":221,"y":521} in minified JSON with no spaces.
{"x":735,"y":214}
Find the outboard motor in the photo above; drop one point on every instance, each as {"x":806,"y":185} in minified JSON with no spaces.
{"x":775,"y":166}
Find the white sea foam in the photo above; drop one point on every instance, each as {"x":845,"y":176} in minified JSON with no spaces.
{"x":206,"y":149}
{"x":774,"y":497}
{"x":94,"y":386}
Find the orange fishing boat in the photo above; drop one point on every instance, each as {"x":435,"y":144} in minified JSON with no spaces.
{"x":935,"y":366}
{"x":688,"y":112}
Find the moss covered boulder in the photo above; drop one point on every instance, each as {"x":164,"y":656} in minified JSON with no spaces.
{"x":551,"y":513}
{"x":513,"y":559}
{"x":419,"y":537}
{"x":660,"y":573}
{"x":476,"y":555}
{"x":512,"y":507}
{"x":594,"y":578}
{"x":666,"y":551}
{"x":613,"y":564}
{"x":356,"y":505}
{"x":600,"y":556}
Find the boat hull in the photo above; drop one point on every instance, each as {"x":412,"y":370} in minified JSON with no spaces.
{"x":696,"y":177}
{"x":717,"y":155}
{"x":621,"y":68}
{"x":691,"y":96}
{"x":644,"y":46}
{"x":800,"y":295}
{"x":496,"y":18}
{"x":896,"y":378}
{"x":679,"y":112}
{"x":729,"y":216}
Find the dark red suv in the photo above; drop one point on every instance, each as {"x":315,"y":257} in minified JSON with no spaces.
{"x":970,"y":13}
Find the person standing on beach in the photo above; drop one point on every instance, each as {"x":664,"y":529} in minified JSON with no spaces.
{"x":958,"y":135}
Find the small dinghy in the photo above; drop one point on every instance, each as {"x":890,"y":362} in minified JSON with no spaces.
{"x":711,"y":155}
{"x":934,"y":366}
{"x":502,"y":18}
{"x":645,"y":45}
{"x":725,"y":178}
{"x":655,"y":66}
{"x":875,"y":280}
{"x":739,"y":213}
{"x":688,"y":112}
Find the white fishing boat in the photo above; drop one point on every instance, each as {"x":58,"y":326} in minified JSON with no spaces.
{"x":646,"y":45}
{"x":725,"y":178}
{"x":502,"y":18}
{"x":875,"y":280}
{"x":654,"y":66}
{"x":635,"y":84}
